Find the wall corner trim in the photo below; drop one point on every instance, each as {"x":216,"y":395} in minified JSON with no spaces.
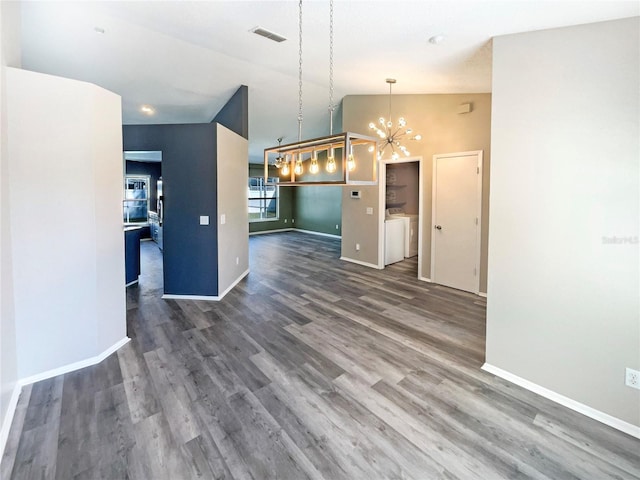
{"x":8,"y":418}
{"x":364,"y":264}
{"x":590,"y":412}
{"x":208,"y":298}
{"x":425,"y":279}
{"x":482,"y":294}
{"x":13,"y":403}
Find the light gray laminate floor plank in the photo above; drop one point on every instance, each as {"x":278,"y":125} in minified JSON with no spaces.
{"x":310,"y":368}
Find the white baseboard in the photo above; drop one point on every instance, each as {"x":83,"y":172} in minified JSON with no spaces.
{"x":264,"y":232}
{"x":482,"y":294}
{"x":590,"y":412}
{"x":8,"y":418}
{"x":425,"y":279}
{"x":74,"y":366}
{"x":364,"y":264}
{"x":322,"y":234}
{"x":235,"y":282}
{"x":209,"y":298}
{"x":131,"y":283}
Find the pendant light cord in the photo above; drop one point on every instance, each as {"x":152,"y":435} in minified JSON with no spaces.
{"x":331,"y":106}
{"x":300,"y":71}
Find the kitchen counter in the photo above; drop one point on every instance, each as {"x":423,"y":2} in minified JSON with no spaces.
{"x":132,"y":254}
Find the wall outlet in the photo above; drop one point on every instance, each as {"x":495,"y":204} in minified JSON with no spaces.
{"x":632,"y":378}
{"x":357,"y":247}
{"x":237,"y":260}
{"x":337,"y":227}
{"x":285,"y":220}
{"x":293,"y":220}
{"x":369,"y":210}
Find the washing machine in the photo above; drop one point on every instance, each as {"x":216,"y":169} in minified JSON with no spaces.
{"x":393,"y":240}
{"x":410,"y":222}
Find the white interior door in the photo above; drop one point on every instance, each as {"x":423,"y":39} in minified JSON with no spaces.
{"x":455,"y":236}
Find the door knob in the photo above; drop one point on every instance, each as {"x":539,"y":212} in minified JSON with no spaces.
{"x":438,"y":227}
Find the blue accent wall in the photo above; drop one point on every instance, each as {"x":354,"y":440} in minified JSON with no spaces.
{"x":189,"y":172}
{"x":235,"y":114}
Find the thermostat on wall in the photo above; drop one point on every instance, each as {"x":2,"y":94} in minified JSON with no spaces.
{"x":355,"y":194}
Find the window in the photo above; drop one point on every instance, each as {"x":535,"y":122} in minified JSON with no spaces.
{"x":263,"y":199}
{"x":135,"y":206}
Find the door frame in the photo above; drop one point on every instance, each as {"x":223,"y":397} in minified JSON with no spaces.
{"x":443,"y":156}
{"x":382,"y":187}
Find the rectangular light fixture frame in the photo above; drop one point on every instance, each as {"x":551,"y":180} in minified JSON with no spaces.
{"x":340,"y":141}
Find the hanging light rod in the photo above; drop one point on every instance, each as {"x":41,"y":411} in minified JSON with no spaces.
{"x":350,"y":157}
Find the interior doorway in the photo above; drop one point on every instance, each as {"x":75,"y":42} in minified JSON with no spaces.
{"x":401,"y":216}
{"x":456,"y":219}
{"x":143,"y":198}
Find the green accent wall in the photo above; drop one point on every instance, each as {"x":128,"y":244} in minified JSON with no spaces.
{"x":318,"y":209}
{"x":286,"y":204}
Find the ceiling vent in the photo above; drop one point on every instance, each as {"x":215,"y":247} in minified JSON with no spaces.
{"x":263,"y":32}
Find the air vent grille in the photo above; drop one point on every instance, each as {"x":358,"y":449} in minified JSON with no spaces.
{"x":263,"y":32}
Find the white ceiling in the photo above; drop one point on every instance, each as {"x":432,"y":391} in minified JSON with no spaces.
{"x":186,"y":59}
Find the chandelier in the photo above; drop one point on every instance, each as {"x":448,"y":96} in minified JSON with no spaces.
{"x":391,"y":134}
{"x":300,"y":164}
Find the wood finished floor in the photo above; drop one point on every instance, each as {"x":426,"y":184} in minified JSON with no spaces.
{"x":310,"y":368}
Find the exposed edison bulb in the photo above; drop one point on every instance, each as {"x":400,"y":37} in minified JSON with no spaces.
{"x":331,"y":162}
{"x":351,"y":161}
{"x":298,"y":168}
{"x":285,"y":166}
{"x":313,"y":167}
{"x":278,"y":162}
{"x":402,"y":122}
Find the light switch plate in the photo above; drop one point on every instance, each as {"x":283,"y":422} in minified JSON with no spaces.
{"x":204,"y":219}
{"x":369,"y":210}
{"x":223,"y":219}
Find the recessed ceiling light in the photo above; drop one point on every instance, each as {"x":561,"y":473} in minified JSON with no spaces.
{"x":147,"y":110}
{"x":98,"y":29}
{"x":436,"y":39}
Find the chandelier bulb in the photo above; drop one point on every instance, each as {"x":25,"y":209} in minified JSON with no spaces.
{"x":371,"y":148}
{"x":389,"y":124}
{"x":298,"y":167}
{"x":351,"y":161}
{"x":408,"y":132}
{"x":331,"y":161}
{"x":372,"y":126}
{"x":381,"y":121}
{"x":395,"y":156}
{"x":313,"y":166}
{"x":418,"y":137}
{"x":402,"y":122}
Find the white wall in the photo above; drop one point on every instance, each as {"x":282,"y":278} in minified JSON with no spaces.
{"x":233,"y":236}
{"x":65,"y":160}
{"x":9,"y":55}
{"x":563,"y":304}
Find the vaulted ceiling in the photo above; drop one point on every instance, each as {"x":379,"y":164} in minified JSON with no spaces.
{"x":186,"y":59}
